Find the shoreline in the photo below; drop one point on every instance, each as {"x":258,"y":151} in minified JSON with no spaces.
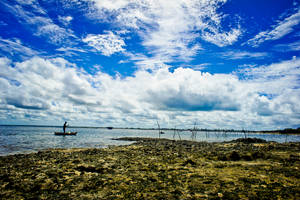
{"x":281,"y":132}
{"x":133,"y":140}
{"x":156,"y":169}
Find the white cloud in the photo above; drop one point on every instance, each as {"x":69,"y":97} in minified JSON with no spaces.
{"x":234,"y":55}
{"x":38,"y":81}
{"x":294,"y":46}
{"x":54,"y":33}
{"x":16,"y":49}
{"x":47,"y":89}
{"x":276,"y":78}
{"x":189,"y":90}
{"x":107,"y":43}
{"x":170,"y":29}
{"x":37,"y":20}
{"x":112,"y":4}
{"x":145,"y":62}
{"x":222,"y":39}
{"x":283,"y":28}
{"x":197,"y":67}
{"x":70,"y":51}
{"x":65,"y":20}
{"x":34,"y":4}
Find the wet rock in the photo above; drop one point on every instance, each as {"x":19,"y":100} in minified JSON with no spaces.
{"x":234,"y":156}
{"x":156,"y":169}
{"x":258,"y":155}
{"x":189,"y":162}
{"x":249,"y":140}
{"x":90,"y":169}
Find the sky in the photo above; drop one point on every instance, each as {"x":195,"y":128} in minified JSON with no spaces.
{"x":224,"y":64}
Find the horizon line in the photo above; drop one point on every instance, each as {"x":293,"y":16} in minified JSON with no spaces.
{"x":153,"y":128}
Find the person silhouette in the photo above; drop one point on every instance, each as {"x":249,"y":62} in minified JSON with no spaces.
{"x":64,"y":127}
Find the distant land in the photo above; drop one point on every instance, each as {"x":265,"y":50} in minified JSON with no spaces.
{"x":279,"y":131}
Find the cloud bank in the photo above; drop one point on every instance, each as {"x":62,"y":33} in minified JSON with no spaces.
{"x":54,"y":90}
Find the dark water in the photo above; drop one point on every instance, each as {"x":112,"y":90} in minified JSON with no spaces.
{"x":25,"y":139}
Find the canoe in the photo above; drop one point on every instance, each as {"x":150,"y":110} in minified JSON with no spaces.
{"x":66,"y":133}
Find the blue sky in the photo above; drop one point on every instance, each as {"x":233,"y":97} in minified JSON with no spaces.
{"x":129,"y":63}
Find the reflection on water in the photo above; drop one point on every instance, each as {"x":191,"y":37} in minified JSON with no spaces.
{"x":24,"y":139}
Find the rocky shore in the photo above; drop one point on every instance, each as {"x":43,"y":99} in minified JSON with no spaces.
{"x":156,"y":169}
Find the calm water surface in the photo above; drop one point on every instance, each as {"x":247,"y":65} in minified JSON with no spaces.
{"x":25,"y":139}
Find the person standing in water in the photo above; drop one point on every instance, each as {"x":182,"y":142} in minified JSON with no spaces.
{"x":64,"y":127}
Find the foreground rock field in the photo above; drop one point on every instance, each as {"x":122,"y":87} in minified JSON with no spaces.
{"x":156,"y":169}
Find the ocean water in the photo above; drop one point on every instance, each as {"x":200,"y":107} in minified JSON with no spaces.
{"x":27,"y":139}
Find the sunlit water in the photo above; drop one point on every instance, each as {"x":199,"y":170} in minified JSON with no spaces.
{"x":24,"y":139}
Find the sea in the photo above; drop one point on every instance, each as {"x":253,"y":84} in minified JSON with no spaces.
{"x":28,"y":139}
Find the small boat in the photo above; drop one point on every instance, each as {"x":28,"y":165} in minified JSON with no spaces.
{"x":66,"y":133}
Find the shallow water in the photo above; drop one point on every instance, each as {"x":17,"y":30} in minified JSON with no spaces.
{"x":26,"y":139}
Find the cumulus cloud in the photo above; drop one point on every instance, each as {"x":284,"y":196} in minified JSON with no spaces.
{"x":107,"y":43}
{"x":49,"y":88}
{"x":189,"y":90}
{"x":42,"y":82}
{"x":277,"y":90}
{"x":283,"y":28}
